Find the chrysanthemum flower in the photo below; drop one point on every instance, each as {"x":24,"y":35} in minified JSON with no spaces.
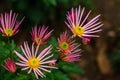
{"x":40,"y":35}
{"x":71,"y":57}
{"x":52,"y":63}
{"x":34,"y":60}
{"x":66,"y":44}
{"x":86,"y":40}
{"x":10,"y":65}
{"x":79,"y":25}
{"x":9,"y":24}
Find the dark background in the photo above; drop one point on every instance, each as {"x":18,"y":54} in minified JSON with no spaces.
{"x":101,"y":59}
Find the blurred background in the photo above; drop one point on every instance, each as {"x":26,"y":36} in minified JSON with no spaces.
{"x":101,"y":58}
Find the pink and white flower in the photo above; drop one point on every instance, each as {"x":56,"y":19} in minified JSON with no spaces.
{"x":9,"y":24}
{"x":40,"y":35}
{"x":71,"y":57}
{"x":79,"y":25}
{"x":66,"y":44}
{"x":34,"y":60}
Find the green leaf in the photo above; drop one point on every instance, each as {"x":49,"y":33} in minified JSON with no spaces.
{"x":53,"y":42}
{"x":60,"y":76}
{"x":115,"y":56}
{"x":22,"y":4}
{"x":88,"y":3}
{"x":53,"y":2}
{"x":70,"y":68}
{"x":12,"y":45}
{"x":22,"y":77}
{"x":49,"y":76}
{"x":34,"y":15}
{"x":50,"y":2}
{"x":56,"y":55}
{"x":8,"y":75}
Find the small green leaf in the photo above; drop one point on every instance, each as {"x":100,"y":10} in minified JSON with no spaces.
{"x":70,"y":68}
{"x":53,"y":2}
{"x":21,"y":77}
{"x":12,"y":45}
{"x":34,"y":15}
{"x":50,"y":2}
{"x":60,"y":76}
{"x":53,"y":42}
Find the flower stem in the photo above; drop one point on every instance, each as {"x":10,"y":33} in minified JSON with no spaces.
{"x":8,"y":40}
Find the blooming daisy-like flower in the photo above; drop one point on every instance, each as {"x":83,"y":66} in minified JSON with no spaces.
{"x":79,"y":25}
{"x":40,"y":35}
{"x":9,"y":24}
{"x":71,"y":57}
{"x":33,"y":60}
{"x":66,"y":44}
{"x":10,"y":65}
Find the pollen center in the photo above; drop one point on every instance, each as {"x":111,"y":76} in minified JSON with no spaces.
{"x":78,"y":30}
{"x":9,"y":32}
{"x":33,"y":63}
{"x":64,"y":45}
{"x":38,"y":40}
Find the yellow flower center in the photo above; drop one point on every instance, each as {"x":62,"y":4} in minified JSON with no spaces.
{"x":64,"y":45}
{"x":33,"y":62}
{"x":38,"y":40}
{"x":9,"y":32}
{"x":78,"y":30}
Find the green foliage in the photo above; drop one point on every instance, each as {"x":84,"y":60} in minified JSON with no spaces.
{"x":50,"y":2}
{"x":56,"y":75}
{"x":37,"y":12}
{"x":62,"y":73}
{"x":87,"y":3}
{"x":21,"y":77}
{"x":6,"y":50}
{"x":70,"y":68}
{"x":7,"y":75}
{"x":60,"y":76}
{"x":36,"y":15}
{"x":115,"y":58}
{"x":53,"y":42}
{"x":45,"y":11}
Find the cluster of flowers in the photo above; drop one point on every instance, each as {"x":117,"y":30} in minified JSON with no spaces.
{"x":40,"y":61}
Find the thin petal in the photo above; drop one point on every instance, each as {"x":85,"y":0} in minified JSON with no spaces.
{"x":20,"y":56}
